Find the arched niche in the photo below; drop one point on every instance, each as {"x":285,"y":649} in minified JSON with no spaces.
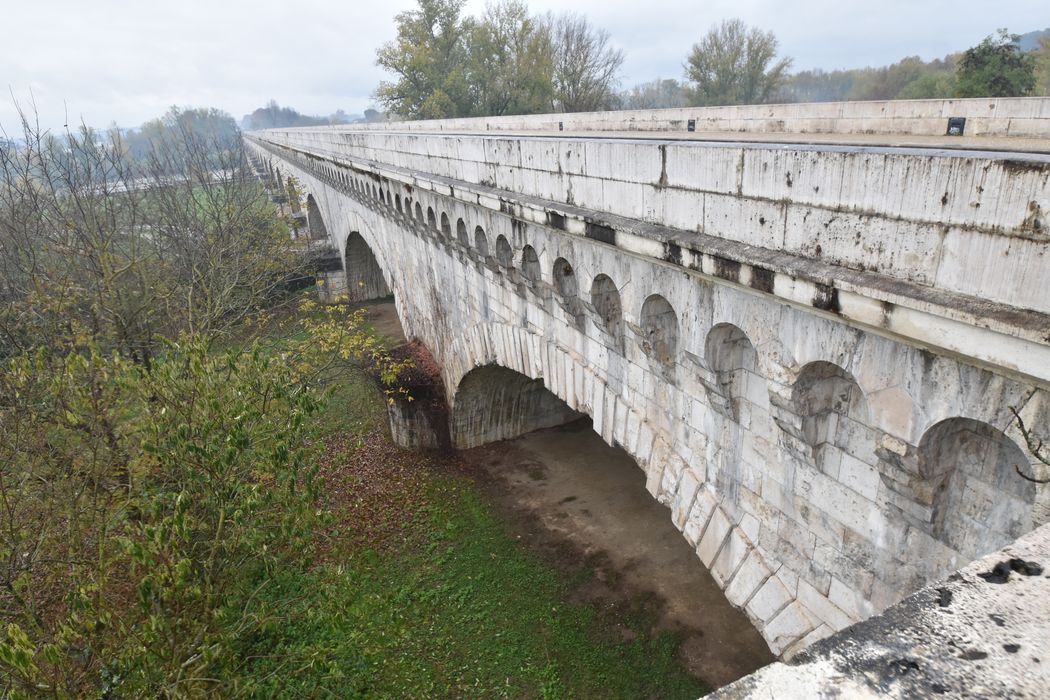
{"x":530,"y":264}
{"x":732,"y":357}
{"x":835,"y":421}
{"x":605,"y":298}
{"x":565,"y":279}
{"x":659,"y":324}
{"x":979,"y":502}
{"x":504,"y":253}
{"x":481,"y":242}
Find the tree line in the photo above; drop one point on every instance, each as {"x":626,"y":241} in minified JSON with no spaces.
{"x":509,"y":61}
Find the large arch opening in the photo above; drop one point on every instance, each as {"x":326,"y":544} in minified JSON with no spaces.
{"x":979,"y":501}
{"x":495,"y":403}
{"x":581,"y":495}
{"x":364,"y":277}
{"x":314,"y":221}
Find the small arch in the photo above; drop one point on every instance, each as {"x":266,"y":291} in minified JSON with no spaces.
{"x":565,"y":279}
{"x":732,"y":357}
{"x":660,"y":329}
{"x":481,"y":243}
{"x":419,"y":213}
{"x":461,"y":233}
{"x":504,"y":253}
{"x":979,"y":502}
{"x":431,"y":219}
{"x":835,"y":417}
{"x":397,"y":203}
{"x":446,"y":227}
{"x":375,"y":192}
{"x":530,"y":264}
{"x":382,"y":196}
{"x":606,"y":300}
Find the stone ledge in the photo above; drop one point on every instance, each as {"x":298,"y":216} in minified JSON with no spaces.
{"x":982,"y":633}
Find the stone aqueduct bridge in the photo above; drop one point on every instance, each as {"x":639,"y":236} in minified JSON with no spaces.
{"x":808,"y":333}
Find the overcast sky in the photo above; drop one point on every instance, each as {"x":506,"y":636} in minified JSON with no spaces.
{"x":127,"y":61}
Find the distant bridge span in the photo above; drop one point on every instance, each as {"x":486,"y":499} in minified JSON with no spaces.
{"x":806,"y":323}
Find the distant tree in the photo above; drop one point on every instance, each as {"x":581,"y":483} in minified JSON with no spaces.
{"x":909,"y":78}
{"x":510,"y":63}
{"x":656,"y":94}
{"x":429,"y":59}
{"x":996,"y":68}
{"x":816,"y":85}
{"x":1042,"y":67}
{"x":586,"y":65}
{"x":274,"y":116}
{"x":733,"y":64}
{"x":931,"y":85}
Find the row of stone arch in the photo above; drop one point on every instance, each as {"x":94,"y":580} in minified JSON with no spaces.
{"x":658,"y":320}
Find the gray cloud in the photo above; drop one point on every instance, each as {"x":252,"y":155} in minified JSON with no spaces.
{"x":126,"y":61}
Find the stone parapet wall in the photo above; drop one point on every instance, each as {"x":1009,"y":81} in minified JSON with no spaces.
{"x":1026,"y":117}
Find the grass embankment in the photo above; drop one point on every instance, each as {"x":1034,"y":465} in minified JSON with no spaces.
{"x":423,"y":591}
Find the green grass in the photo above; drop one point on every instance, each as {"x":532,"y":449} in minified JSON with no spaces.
{"x":462,"y":609}
{"x":464,"y":612}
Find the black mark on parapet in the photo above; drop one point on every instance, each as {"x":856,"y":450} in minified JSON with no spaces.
{"x":827,"y":299}
{"x":600,"y":232}
{"x":673,"y":252}
{"x":556,"y":220}
{"x":762,"y":279}
{"x":727,"y":269}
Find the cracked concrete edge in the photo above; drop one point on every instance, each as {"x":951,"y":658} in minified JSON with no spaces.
{"x":966,"y":636}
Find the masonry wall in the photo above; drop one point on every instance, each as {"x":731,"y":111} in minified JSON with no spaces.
{"x":807,"y":459}
{"x":1016,"y":117}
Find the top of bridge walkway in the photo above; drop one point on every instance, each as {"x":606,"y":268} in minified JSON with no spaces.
{"x":985,"y":127}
